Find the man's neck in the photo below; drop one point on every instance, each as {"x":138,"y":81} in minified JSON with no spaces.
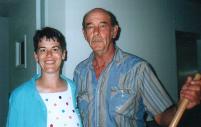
{"x":100,"y":62}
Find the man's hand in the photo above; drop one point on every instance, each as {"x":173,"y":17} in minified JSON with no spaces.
{"x":191,"y":90}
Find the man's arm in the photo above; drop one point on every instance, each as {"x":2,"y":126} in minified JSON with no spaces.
{"x":191,"y":90}
{"x":165,"y":117}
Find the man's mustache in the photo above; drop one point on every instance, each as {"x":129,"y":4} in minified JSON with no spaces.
{"x":96,"y":39}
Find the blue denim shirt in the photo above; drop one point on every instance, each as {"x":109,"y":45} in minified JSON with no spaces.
{"x":26,"y":107}
{"x":124,"y":92}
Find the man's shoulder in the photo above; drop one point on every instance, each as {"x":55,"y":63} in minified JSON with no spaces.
{"x":83,"y":64}
{"x":128,"y":57}
{"x":129,"y":60}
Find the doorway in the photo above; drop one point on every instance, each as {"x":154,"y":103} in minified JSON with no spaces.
{"x":187,"y":64}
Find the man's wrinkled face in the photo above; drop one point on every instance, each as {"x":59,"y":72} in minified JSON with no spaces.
{"x":99,"y":31}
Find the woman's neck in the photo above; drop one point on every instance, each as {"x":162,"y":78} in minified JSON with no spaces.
{"x":50,"y":83}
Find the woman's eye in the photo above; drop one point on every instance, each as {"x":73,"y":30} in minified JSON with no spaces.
{"x":55,"y":49}
{"x":42,"y":50}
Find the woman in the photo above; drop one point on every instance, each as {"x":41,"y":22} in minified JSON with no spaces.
{"x":48,"y":99}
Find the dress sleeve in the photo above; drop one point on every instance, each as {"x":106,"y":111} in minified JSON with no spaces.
{"x":13,"y":118}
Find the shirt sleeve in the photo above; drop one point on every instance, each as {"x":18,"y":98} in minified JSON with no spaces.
{"x":155,"y":97}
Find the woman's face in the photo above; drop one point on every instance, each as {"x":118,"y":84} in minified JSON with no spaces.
{"x":49,"y":55}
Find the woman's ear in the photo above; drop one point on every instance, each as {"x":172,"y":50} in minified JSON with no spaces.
{"x":36,"y":57}
{"x":64,"y":55}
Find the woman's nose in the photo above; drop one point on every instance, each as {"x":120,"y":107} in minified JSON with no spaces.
{"x":49,"y":53}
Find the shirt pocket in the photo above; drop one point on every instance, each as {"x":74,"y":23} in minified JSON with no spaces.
{"x":120,"y":100}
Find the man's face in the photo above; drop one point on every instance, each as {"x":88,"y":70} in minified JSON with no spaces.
{"x":99,"y":31}
{"x":49,"y":55}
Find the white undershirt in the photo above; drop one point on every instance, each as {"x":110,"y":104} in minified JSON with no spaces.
{"x":60,"y":110}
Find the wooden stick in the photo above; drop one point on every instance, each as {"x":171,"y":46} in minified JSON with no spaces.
{"x":182,"y":107}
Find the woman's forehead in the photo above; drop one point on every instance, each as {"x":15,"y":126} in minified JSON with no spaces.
{"x":48,"y":42}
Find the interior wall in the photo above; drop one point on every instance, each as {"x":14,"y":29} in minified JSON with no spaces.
{"x":22,"y":21}
{"x":4,"y":69}
{"x":188,"y":19}
{"x":187,"y":16}
{"x":147,"y":30}
{"x":199,"y":54}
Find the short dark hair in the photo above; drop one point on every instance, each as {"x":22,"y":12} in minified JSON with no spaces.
{"x":49,"y":33}
{"x":111,"y":15}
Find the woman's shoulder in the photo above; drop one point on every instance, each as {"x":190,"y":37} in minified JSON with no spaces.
{"x":69,"y":82}
{"x":23,"y":89}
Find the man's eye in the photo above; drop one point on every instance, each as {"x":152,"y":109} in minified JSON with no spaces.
{"x":90,"y":27}
{"x":102,"y":25}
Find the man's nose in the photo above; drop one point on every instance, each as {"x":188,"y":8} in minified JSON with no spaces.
{"x":96,"y":30}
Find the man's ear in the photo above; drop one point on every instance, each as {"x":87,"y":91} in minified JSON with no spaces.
{"x":115,"y":31}
{"x":84,"y":33}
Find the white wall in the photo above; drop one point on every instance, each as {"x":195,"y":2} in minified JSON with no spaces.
{"x":148,"y":30}
{"x":67,"y":17}
{"x":4,"y":69}
{"x":143,"y":32}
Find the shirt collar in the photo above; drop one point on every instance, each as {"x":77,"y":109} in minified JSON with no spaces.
{"x":118,"y":56}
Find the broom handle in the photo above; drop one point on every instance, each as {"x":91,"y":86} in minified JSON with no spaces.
{"x":182,"y":107}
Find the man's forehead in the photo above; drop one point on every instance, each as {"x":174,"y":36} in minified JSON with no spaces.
{"x":97,"y":14}
{"x":98,"y":11}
